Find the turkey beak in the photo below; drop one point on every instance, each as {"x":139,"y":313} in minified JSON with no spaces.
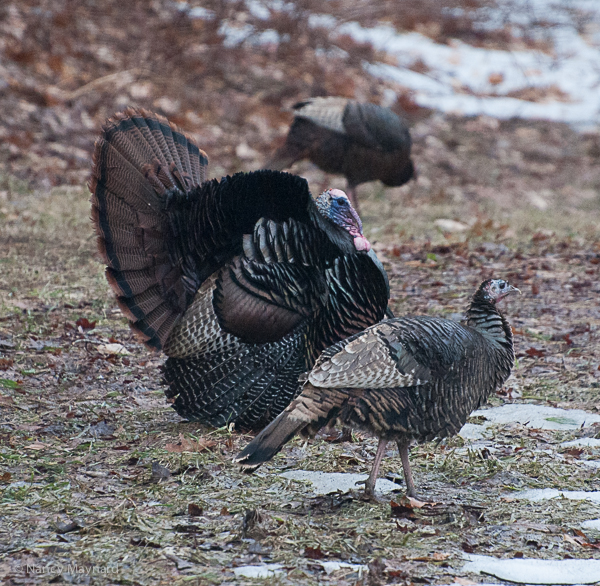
{"x":512,"y":289}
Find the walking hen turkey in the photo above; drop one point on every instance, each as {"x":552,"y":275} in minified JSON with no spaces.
{"x":405,"y":379}
{"x":240,"y":282}
{"x":361,"y":141}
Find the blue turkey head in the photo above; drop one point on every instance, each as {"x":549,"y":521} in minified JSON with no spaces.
{"x":334,"y":205}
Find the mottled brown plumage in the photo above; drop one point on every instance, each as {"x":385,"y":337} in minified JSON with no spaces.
{"x":241,"y":282}
{"x":361,"y":141}
{"x":405,"y":379}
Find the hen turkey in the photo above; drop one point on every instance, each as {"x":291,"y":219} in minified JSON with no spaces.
{"x":361,"y":141}
{"x":240,"y":282}
{"x":405,"y":379}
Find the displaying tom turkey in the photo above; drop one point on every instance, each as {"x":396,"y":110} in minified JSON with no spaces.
{"x":405,"y":379}
{"x":240,"y":282}
{"x":362,"y":141}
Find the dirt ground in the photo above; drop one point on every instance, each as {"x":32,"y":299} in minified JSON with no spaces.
{"x":101,"y":481}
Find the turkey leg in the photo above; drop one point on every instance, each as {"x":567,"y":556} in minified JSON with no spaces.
{"x":370,"y":482}
{"x":410,"y":485}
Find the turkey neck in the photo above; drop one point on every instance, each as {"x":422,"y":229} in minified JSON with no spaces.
{"x":487,"y":319}
{"x":337,"y":235}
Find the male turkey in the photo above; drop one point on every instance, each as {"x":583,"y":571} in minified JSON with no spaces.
{"x":405,"y":379}
{"x":362,"y":141}
{"x":240,"y":282}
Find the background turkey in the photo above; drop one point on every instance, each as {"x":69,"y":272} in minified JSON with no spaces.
{"x":242,"y":282}
{"x":362,"y":141}
{"x":405,"y":379}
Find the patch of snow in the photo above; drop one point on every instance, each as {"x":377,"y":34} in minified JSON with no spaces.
{"x":538,"y":416}
{"x":471,"y":431}
{"x":591,"y":463}
{"x":534,"y":571}
{"x":468,"y":80}
{"x":592,"y":524}
{"x":584,"y":442}
{"x":263,"y":571}
{"x":328,"y":482}
{"x":330,"y":567}
{"x":544,"y":494}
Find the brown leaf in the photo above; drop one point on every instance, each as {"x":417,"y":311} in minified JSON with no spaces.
{"x":439,"y":556}
{"x":36,"y":446}
{"x":6,"y":363}
{"x":416,"y":503}
{"x":195,"y":510}
{"x":575,"y":452}
{"x":534,"y":353}
{"x":400,"y":511}
{"x":6,"y":476}
{"x":314,"y":553}
{"x":186,"y":445}
{"x":85,"y":324}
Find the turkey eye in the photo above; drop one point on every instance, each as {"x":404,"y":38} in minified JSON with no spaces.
{"x":502,"y":285}
{"x":342,"y":202}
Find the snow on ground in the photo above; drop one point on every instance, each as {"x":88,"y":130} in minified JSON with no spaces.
{"x":534,"y":571}
{"x":466,"y":80}
{"x":544,"y":494}
{"x":328,"y":482}
{"x":536,"y":417}
{"x":460,"y":79}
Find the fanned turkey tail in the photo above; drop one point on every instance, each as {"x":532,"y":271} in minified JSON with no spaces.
{"x":138,"y":160}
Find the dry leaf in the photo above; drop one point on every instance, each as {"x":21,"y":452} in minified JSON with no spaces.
{"x":85,"y":324}
{"x":314,"y":553}
{"x":194,"y":510}
{"x":534,"y":352}
{"x":113,"y":349}
{"x":186,"y":445}
{"x":438,"y":556}
{"x":36,"y":446}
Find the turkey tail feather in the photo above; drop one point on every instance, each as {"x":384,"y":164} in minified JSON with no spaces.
{"x":269,"y":441}
{"x":138,"y":159}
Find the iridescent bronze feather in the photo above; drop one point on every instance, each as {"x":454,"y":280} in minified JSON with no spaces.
{"x":235,"y":280}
